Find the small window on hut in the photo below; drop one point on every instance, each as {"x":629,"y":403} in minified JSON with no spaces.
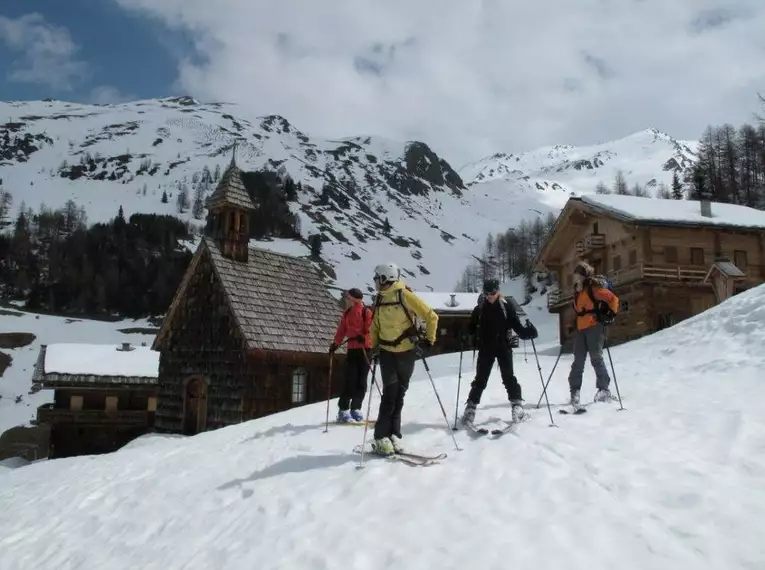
{"x":739,"y":258}
{"x":697,"y":256}
{"x":617,"y":262}
{"x":633,"y":257}
{"x":670,"y":254}
{"x":299,"y":381}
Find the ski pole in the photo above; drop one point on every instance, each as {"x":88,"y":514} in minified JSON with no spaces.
{"x":541,"y":379}
{"x":544,"y":388}
{"x":329,"y":385}
{"x":459,"y":380}
{"x":373,"y":378}
{"x":443,"y":411}
{"x":621,"y":406}
{"x":369,"y":411}
{"x":329,"y":391}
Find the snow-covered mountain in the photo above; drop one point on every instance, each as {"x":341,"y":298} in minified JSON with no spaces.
{"x":107,"y":156}
{"x":647,"y":158}
{"x":672,"y":482}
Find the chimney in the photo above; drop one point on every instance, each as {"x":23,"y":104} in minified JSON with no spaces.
{"x":453,"y":302}
{"x":706,"y":204}
{"x":125,"y":347}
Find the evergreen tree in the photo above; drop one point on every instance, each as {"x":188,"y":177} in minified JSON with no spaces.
{"x":677,"y":187}
{"x":315,"y":243}
{"x":182,"y":201}
{"x":5,"y":204}
{"x":164,"y":197}
{"x":290,"y":192}
{"x":198,"y":207}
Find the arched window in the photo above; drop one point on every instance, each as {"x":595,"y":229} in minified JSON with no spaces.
{"x":299,"y":386}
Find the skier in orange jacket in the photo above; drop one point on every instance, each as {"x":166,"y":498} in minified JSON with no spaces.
{"x":594,"y":305}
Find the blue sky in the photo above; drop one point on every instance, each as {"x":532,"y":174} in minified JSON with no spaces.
{"x":113,"y":54}
{"x":469,"y":78}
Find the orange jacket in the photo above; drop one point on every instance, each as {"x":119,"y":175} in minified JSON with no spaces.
{"x":355,"y":323}
{"x":582,"y":302}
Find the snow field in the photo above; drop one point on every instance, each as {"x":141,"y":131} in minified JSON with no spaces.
{"x":672,"y":482}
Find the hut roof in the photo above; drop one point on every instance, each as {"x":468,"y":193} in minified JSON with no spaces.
{"x":231,"y":191}
{"x":725,"y":267}
{"x":279,"y":301}
{"x":87,"y":364}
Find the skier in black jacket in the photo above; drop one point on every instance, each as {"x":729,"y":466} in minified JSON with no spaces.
{"x":490,"y":324}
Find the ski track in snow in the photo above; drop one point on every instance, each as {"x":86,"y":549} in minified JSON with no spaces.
{"x":674,"y":481}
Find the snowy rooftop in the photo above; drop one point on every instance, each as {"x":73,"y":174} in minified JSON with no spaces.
{"x":459,"y":302}
{"x":676,"y":211}
{"x":445,"y":302}
{"x":101,"y":360}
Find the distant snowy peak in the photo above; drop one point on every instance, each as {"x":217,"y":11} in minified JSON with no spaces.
{"x":644,"y":154}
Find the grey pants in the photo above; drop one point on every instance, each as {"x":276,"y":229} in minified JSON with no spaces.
{"x":589,"y":341}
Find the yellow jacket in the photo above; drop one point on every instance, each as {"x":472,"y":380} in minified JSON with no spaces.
{"x":391,"y":321}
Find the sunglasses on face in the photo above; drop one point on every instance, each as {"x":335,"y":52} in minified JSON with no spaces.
{"x":493,"y":293}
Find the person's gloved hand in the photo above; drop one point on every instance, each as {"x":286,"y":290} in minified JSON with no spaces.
{"x":423,"y":347}
{"x":332,"y":348}
{"x":529,"y":331}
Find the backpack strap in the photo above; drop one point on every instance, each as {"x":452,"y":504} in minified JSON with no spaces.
{"x":408,"y":333}
{"x":605,"y":319}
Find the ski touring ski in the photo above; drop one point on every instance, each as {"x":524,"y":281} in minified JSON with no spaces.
{"x":475,"y":429}
{"x":371,"y":423}
{"x":412,"y":459}
{"x":576,"y":411}
{"x":580,"y":409}
{"x":509,"y":427}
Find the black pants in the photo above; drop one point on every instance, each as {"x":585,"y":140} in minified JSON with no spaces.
{"x":355,"y":384}
{"x":504,"y":358}
{"x":395,"y":372}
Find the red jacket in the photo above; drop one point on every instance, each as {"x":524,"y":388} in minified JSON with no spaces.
{"x":356,"y":322}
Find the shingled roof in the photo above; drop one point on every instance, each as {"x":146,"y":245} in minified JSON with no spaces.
{"x":230,"y":190}
{"x":279,"y":302}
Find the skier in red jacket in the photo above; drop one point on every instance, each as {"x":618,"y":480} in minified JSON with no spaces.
{"x":354,"y":326}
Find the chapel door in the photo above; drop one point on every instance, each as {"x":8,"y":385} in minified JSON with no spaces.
{"x":195,"y":406}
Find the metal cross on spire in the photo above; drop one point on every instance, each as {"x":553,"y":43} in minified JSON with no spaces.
{"x":233,"y":155}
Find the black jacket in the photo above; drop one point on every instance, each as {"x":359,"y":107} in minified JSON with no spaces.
{"x":491,"y":323}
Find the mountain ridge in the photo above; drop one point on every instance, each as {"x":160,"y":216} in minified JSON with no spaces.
{"x":370,"y":198}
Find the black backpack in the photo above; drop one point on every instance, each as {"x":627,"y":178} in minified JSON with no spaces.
{"x":603,"y":313}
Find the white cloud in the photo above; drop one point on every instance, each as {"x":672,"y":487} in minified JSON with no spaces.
{"x":475,"y":77}
{"x":48,"y":52}
{"x":107,"y":94}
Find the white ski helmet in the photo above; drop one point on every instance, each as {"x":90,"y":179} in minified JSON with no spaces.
{"x":386,"y":273}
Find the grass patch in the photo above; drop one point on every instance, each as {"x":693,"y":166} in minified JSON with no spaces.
{"x":139,"y":330}
{"x":5,"y":362}
{"x":16,"y":339}
{"x":10,"y":313}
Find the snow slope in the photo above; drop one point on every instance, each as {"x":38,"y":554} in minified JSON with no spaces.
{"x":16,"y":381}
{"x":647,"y":158}
{"x":107,"y":156}
{"x":672,"y":483}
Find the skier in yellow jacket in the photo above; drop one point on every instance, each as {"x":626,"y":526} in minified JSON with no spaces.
{"x":397,"y":344}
